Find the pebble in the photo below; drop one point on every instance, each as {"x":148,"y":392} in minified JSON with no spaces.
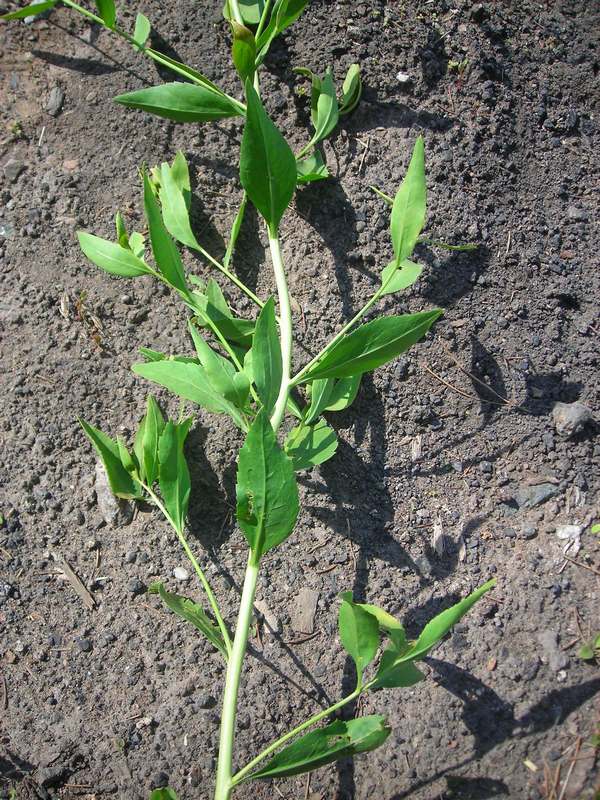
{"x":160,"y":780}
{"x":557,"y":660}
{"x":55,"y":101}
{"x":84,"y":645}
{"x":181,"y":574}
{"x":532,"y":496}
{"x":569,"y":418}
{"x":403,"y":78}
{"x":135,"y":586}
{"x":12,"y":169}
{"x":271,"y":619}
{"x":115,"y":511}
{"x":304,"y":610}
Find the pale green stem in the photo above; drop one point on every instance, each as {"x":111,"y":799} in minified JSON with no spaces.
{"x":263,"y":19}
{"x":232,"y":683}
{"x":233,"y":278}
{"x":197,"y":568}
{"x":243,"y":773}
{"x":235,"y":10}
{"x":285,"y":325}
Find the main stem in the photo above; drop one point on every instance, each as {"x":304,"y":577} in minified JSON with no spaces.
{"x":232,"y":683}
{"x":285,"y":323}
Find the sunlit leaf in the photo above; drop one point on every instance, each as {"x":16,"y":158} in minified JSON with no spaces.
{"x":142,"y":30}
{"x":181,"y":102}
{"x":410,"y":206}
{"x":173,"y":474}
{"x":120,"y":481}
{"x":267,"y":364}
{"x":111,"y":257}
{"x":396,"y":278}
{"x":166,"y":254}
{"x":28,"y":11}
{"x":108,"y":11}
{"x":359,"y":633}
{"x":351,"y":90}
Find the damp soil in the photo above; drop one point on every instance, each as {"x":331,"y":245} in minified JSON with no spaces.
{"x":457,"y":437}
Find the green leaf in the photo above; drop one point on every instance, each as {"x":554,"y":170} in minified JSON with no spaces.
{"x":372,"y":345}
{"x":267,"y":164}
{"x":284,"y":14}
{"x":220,"y":372}
{"x":164,"y":794}
{"x":344,"y":393}
{"x":121,"y":230}
{"x":267,"y":493}
{"x":310,"y":445}
{"x":173,"y":474}
{"x":359,"y":633}
{"x":153,"y":426}
{"x":28,"y":11}
{"x":216,"y":298}
{"x":243,"y":51}
{"x":410,"y":205}
{"x":312,"y":168}
{"x":108,"y":12}
{"x":396,"y":278}
{"x":586,"y":652}
{"x":120,"y":481}
{"x":191,"y":612}
{"x":435,"y":630}
{"x":180,"y":68}
{"x":338,"y":740}
{"x":181,"y":102}
{"x":166,"y":254}
{"x":251,"y":11}
{"x":351,"y":90}
{"x":385,"y":621}
{"x":181,"y":175}
{"x":137,"y":244}
{"x":142,"y":30}
{"x":267,"y":364}
{"x":396,"y":677}
{"x":595,"y":528}
{"x":464,"y":248}
{"x":175,"y":209}
{"x":319,"y":399}
{"x":190,"y":382}
{"x":126,"y":458}
{"x":326,"y":112}
{"x":111,"y":257}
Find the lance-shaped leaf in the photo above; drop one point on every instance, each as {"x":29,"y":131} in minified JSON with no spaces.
{"x":284,"y":14}
{"x":410,"y":206}
{"x":142,"y":30}
{"x":439,"y":626}
{"x":392,"y":675}
{"x":243,"y":50}
{"x":396,"y":278}
{"x":189,"y":380}
{"x":164,"y":794}
{"x":220,"y":372}
{"x":111,"y":257}
{"x":325,"y":114}
{"x":267,"y":364}
{"x":120,"y":481}
{"x":108,"y":12}
{"x":351,"y":90}
{"x":312,"y":168}
{"x":173,"y":473}
{"x":181,"y":102}
{"x":191,"y":612}
{"x":267,"y":493}
{"x":153,"y":426}
{"x":359,"y":632}
{"x":372,"y":345}
{"x":320,"y":392}
{"x":181,"y":175}
{"x":339,"y":740}
{"x":166,"y":254}
{"x":175,"y":208}
{"x":310,"y":445}
{"x":29,"y":11}
{"x":267,"y":164}
{"x":343,"y":393}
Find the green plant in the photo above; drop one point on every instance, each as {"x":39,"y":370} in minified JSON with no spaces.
{"x":245,"y":369}
{"x":590,"y":649}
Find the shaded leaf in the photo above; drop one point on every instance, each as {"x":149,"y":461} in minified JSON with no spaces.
{"x":267,"y":164}
{"x":372,"y":345}
{"x":219,"y":371}
{"x":111,"y":257}
{"x":266,"y":490}
{"x":311,"y":168}
{"x":164,"y":794}
{"x":344,"y":393}
{"x":309,"y":445}
{"x":396,"y":278}
{"x":359,"y":633}
{"x":181,"y":102}
{"x":250,"y":10}
{"x":410,"y":205}
{"x":284,"y":14}
{"x":191,"y":612}
{"x":173,"y":474}
{"x":120,"y":481}
{"x":326,"y":113}
{"x":137,"y":244}
{"x":338,"y":740}
{"x":166,"y":254}
{"x":267,"y":364}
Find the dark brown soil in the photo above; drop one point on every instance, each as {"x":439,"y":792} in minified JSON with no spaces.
{"x":112,"y":701}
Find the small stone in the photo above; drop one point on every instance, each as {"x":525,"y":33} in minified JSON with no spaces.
{"x":272,"y":620}
{"x":84,"y":645}
{"x":205,"y":700}
{"x":569,"y":418}
{"x":304,"y":610}
{"x":577,"y":214}
{"x":70,"y":165}
{"x":403,"y":78}
{"x":160,"y":780}
{"x":571,"y":535}
{"x":424,"y":565}
{"x":181,"y":574}
{"x":531,"y":496}
{"x":557,"y":660}
{"x":12,"y":169}
{"x":130,"y":556}
{"x":135,"y":586}
{"x":55,"y":101}
{"x":115,"y":511}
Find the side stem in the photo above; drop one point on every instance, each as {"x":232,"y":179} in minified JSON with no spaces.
{"x":285,"y":313}
{"x":224,"y":783}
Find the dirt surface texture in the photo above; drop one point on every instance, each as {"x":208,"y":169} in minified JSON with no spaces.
{"x":455,"y":463}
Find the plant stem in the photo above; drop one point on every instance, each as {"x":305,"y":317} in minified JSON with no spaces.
{"x":263,"y":19}
{"x":235,"y":230}
{"x":285,"y":324}
{"x":197,"y":568}
{"x":243,"y":773}
{"x":232,"y":683}
{"x":235,"y":11}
